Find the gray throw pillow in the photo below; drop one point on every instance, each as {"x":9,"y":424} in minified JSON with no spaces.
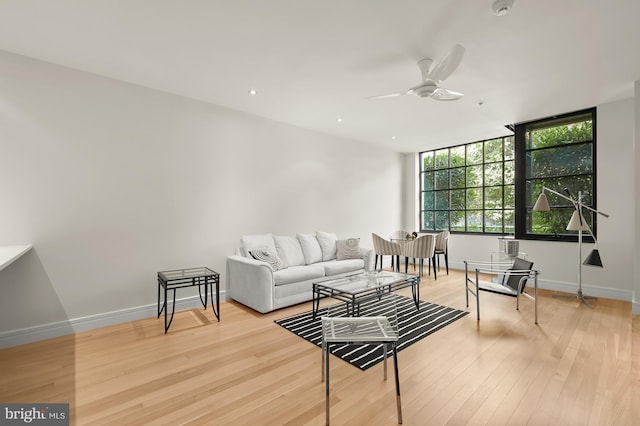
{"x":349,"y":249}
{"x":269,"y":256}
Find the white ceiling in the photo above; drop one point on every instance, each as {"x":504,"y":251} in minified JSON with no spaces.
{"x":314,"y":61}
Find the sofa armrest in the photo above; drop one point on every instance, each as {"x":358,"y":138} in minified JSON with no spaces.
{"x":367,"y":257}
{"x":251,"y":283}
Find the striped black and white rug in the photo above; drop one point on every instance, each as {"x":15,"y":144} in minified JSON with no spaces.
{"x":413,"y":326}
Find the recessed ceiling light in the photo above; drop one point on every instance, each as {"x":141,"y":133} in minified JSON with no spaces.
{"x":339,"y":120}
{"x":252,"y":92}
{"x":393,"y":138}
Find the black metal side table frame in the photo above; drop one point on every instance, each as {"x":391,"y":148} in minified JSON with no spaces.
{"x":190,"y":277}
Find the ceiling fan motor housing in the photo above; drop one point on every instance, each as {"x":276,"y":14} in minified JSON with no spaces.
{"x":425,"y":90}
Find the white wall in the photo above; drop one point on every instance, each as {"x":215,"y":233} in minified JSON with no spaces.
{"x":410,"y":193}
{"x":558,"y":261}
{"x":112,"y":182}
{"x":636,"y":203}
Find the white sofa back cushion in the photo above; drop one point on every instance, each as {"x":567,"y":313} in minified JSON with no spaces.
{"x":260,"y":241}
{"x":289,"y":250}
{"x":310,"y":248}
{"x":328,"y":246}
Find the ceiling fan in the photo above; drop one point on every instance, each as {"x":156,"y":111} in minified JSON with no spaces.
{"x":432,"y":75}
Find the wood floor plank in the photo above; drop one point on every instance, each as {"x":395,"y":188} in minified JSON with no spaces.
{"x":579,"y":365}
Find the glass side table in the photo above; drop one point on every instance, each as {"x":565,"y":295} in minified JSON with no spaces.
{"x":180,"y":278}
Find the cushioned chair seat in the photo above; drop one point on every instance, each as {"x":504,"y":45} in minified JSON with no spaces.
{"x":341,"y":266}
{"x":496,"y":288}
{"x":298,"y":273}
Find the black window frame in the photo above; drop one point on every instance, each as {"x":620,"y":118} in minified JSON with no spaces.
{"x":525,"y":201}
{"x":484,"y":210}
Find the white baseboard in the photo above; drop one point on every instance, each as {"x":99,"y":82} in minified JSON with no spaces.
{"x":566,"y":287}
{"x":590,"y":290}
{"x":92,"y":322}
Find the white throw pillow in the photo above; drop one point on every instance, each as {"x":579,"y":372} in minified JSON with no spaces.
{"x":327,"y":243}
{"x":289,"y":250}
{"x":349,"y":249}
{"x":310,"y":248}
{"x":251,"y":242}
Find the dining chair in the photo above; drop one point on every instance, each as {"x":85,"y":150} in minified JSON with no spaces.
{"x":421,"y":248}
{"x":401,"y":235}
{"x":383,"y":247}
{"x":442,"y":248}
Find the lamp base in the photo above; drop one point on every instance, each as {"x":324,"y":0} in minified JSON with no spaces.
{"x":581,"y":297}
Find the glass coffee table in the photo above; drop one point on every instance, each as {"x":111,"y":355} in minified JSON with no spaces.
{"x":358,"y":288}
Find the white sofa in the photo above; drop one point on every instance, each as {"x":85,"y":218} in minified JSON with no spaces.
{"x":289,"y":267}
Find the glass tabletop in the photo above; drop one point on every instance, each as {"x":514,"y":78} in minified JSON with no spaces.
{"x":187,"y":273}
{"x":359,"y":329}
{"x":358,"y":283}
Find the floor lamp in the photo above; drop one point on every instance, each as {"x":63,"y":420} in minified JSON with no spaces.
{"x":577,"y":223}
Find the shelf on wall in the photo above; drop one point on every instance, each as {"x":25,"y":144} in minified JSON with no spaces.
{"x":9,"y":254}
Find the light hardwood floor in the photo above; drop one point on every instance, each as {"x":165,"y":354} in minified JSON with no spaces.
{"x":579,"y":366}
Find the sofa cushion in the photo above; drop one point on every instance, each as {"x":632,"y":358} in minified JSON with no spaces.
{"x":348,"y":249}
{"x":335,"y":267}
{"x":270,"y":256}
{"x":328,"y":246}
{"x":289,"y":250}
{"x":259,"y":241}
{"x":310,"y":248}
{"x":295,"y":274}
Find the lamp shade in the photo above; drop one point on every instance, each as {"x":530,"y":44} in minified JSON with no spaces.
{"x":576,"y":224}
{"x":593,"y":259}
{"x":542,"y":204}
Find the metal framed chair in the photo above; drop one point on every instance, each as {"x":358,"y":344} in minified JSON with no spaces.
{"x":511,"y":281}
{"x":377,"y":326}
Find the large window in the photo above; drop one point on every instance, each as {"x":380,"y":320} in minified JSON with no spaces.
{"x":558,"y":153}
{"x":490,"y":186}
{"x":469,"y":188}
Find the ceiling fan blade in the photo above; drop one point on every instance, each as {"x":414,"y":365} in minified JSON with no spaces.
{"x":447,"y":65}
{"x":388,"y":95}
{"x":441,"y":94}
